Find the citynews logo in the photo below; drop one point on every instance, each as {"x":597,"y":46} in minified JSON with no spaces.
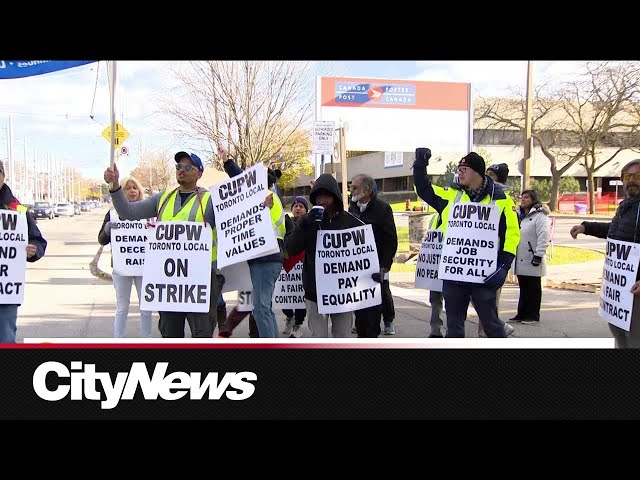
{"x":83,"y":380}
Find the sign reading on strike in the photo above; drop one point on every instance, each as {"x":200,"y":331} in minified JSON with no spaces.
{"x":13,"y":256}
{"x":177,"y":268}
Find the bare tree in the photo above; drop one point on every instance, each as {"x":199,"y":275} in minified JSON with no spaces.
{"x":602,"y":106}
{"x":548,"y":128}
{"x":155,"y":169}
{"x":260,"y":110}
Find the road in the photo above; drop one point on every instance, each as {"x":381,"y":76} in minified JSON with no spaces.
{"x":64,"y":300}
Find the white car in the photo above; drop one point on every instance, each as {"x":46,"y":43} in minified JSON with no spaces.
{"x":64,"y":209}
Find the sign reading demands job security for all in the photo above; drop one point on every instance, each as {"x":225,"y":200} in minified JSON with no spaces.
{"x":177,"y":268}
{"x":470,"y":250}
{"x":429,"y":261}
{"x":128,"y":244}
{"x":243,"y":223}
{"x":619,"y":274}
{"x":13,"y":256}
{"x":345,"y":261}
{"x":289,"y":292}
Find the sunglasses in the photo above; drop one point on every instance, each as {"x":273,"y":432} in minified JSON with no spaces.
{"x":187,"y":167}
{"x":628,"y":176}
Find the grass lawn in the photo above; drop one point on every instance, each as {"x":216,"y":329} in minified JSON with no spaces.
{"x":402,"y":207}
{"x":566,"y":255}
{"x":403,"y":239}
{"x":561,"y":256}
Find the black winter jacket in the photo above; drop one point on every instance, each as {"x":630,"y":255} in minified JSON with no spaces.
{"x":379,"y":214}
{"x":304,"y":235}
{"x":621,"y":227}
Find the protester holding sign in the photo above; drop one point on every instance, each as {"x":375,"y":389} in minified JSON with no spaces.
{"x":368,"y":207}
{"x":16,"y":223}
{"x":186,"y":203}
{"x":531,"y":262}
{"x":295,"y":317}
{"x":264,"y":269}
{"x":616,"y":307}
{"x":481,"y":237}
{"x":327,"y":214}
{"x":129,"y":259}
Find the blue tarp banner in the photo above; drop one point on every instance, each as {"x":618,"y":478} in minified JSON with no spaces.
{"x":29,"y":68}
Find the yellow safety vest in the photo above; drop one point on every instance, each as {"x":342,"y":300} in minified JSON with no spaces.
{"x":191,"y":211}
{"x":506,"y":205}
{"x":278,"y":217}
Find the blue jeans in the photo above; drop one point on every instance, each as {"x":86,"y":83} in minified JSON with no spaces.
{"x":122,"y":286}
{"x":263,"y":277}
{"x":8,"y":317}
{"x":221,"y":302}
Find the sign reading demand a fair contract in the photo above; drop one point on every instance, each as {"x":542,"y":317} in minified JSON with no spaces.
{"x":13,"y":256}
{"x":243,"y":223}
{"x":619,"y":274}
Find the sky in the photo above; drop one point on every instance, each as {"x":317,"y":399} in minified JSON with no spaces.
{"x":51,"y":113}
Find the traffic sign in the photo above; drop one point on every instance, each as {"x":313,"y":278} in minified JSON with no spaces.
{"x":124,"y":150}
{"x":120,"y":136}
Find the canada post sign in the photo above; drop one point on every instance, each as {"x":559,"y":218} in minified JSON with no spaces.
{"x":371,"y":93}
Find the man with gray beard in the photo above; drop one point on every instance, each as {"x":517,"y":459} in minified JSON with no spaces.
{"x":366,"y":205}
{"x":623,"y":226}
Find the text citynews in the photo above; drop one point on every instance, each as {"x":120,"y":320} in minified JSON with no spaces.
{"x":174,"y":386}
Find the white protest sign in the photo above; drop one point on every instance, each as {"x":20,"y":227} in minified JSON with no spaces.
{"x":345,"y":261}
{"x":238,"y":278}
{"x":243,"y":223}
{"x":128,"y":244}
{"x":323,"y":141}
{"x":619,"y":274}
{"x":289,"y":292}
{"x":14,"y":237}
{"x":470,"y":250}
{"x":429,"y":261}
{"x":177,"y":268}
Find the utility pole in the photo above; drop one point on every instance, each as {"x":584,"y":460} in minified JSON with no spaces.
{"x":113,"y":116}
{"x":343,"y":166}
{"x":528,"y":144}
{"x":10,"y":150}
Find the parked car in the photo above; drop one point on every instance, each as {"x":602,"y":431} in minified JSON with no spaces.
{"x":76,"y":209}
{"x":42,"y":210}
{"x":64,"y":209}
{"x":85,"y":206}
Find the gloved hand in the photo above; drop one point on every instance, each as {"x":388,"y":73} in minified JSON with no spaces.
{"x":307,"y":221}
{"x":316,"y":213}
{"x":422,"y":157}
{"x":108,"y":226}
{"x":497,"y":278}
{"x":377,"y":277}
{"x":536,"y":260}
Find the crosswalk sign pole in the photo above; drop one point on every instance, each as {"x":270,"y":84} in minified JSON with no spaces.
{"x":112,"y":111}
